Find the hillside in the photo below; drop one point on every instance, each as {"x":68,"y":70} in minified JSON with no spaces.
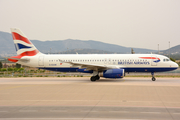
{"x":173,"y":50}
{"x":64,"y":45}
{"x":85,"y":51}
{"x":7,"y":46}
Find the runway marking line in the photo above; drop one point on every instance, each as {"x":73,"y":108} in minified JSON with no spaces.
{"x":66,"y":119}
{"x":27,"y":110}
{"x":58,"y":110}
{"x":120,"y":111}
{"x":101,"y":105}
{"x":152,"y":112}
{"x":85,"y":111}
{"x":176,"y":113}
{"x":3,"y":111}
{"x":14,"y":87}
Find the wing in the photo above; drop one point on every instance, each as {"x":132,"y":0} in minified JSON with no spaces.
{"x":95,"y":67}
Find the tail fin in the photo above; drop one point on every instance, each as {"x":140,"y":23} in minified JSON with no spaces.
{"x":23,"y":46}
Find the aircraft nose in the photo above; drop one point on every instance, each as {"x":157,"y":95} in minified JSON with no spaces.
{"x":175,"y":65}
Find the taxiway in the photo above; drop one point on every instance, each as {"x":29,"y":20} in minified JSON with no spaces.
{"x":81,"y":99}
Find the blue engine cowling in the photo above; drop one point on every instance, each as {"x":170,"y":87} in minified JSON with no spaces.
{"x":112,"y":73}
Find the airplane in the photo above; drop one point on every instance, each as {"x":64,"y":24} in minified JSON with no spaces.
{"x":99,"y":65}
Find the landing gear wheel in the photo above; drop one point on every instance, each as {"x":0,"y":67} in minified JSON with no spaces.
{"x":97,"y":77}
{"x":94,"y":78}
{"x":153,"y":79}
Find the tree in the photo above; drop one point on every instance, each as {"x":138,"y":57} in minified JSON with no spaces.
{"x":10,"y":69}
{"x":4,"y":69}
{"x":172,"y":59}
{"x":18,"y":65}
{"x":1,"y":65}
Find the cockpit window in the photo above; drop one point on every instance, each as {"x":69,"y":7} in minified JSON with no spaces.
{"x":166,"y":60}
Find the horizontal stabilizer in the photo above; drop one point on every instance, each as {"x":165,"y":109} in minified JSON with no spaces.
{"x":15,"y":59}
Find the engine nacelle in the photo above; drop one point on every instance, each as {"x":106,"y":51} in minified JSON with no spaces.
{"x":112,"y":73}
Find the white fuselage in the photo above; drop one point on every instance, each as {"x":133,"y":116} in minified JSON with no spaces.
{"x":129,"y":62}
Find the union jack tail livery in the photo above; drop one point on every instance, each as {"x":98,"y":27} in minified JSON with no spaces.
{"x":23,"y":46}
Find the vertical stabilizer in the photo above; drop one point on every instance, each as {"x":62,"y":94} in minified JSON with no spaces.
{"x":23,"y":46}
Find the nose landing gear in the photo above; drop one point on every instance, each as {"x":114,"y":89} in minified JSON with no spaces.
{"x":153,"y":78}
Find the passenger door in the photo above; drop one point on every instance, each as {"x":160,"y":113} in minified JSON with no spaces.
{"x":41,"y":61}
{"x":153,"y":58}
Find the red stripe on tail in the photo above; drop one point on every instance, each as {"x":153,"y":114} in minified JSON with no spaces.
{"x":17,"y":36}
{"x":27,"y":53}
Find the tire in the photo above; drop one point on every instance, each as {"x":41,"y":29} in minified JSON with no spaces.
{"x":153,"y":79}
{"x":97,"y":77}
{"x":93,"y":78}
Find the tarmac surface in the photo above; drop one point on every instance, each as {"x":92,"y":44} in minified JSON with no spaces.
{"x":78,"y":98}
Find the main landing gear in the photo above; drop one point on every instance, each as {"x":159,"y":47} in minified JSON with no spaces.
{"x":153,"y":78}
{"x":94,"y":78}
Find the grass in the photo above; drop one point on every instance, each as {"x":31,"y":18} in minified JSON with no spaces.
{"x":45,"y":75}
{"x":159,"y":76}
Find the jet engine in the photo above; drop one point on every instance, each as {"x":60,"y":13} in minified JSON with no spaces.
{"x":112,"y":73}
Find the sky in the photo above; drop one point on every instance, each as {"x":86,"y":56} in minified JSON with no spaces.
{"x":129,"y":23}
